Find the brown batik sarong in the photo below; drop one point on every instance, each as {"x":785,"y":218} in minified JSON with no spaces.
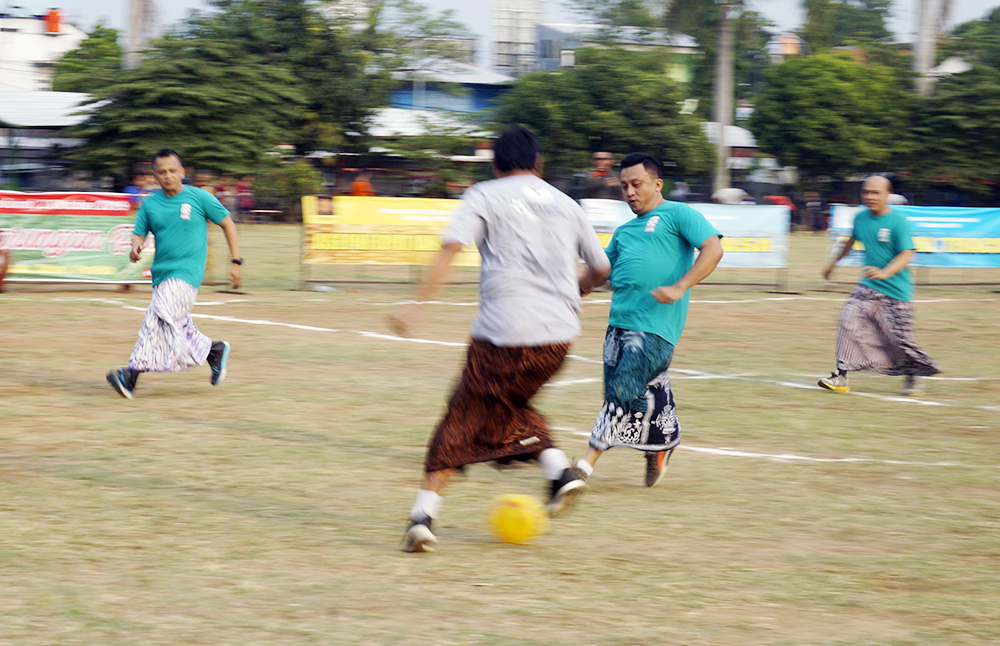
{"x":876,"y":333}
{"x":489,"y":415}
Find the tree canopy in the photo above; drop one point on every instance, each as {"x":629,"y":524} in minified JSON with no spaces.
{"x":833,"y":23}
{"x":188,"y":95}
{"x":614,"y":100}
{"x":92,"y":67}
{"x":830,"y":114}
{"x":957,"y":132}
{"x":228,"y":85}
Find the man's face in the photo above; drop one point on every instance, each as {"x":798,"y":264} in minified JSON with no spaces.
{"x":640,"y":189}
{"x":875,"y":194}
{"x":169,"y":174}
{"x":604,"y":161}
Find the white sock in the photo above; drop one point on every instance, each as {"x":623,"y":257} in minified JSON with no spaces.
{"x":428,"y":504}
{"x":553,"y":462}
{"x":584,"y":466}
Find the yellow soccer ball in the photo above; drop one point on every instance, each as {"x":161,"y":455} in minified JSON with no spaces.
{"x":517,"y":519}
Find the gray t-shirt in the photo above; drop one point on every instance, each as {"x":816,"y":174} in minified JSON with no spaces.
{"x":529,"y":236}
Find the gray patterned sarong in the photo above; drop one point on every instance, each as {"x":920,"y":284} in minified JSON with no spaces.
{"x":876,"y":333}
{"x":638,"y":409}
{"x":168,"y":339}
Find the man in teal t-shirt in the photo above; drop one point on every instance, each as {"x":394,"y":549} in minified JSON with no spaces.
{"x":177,"y":216}
{"x":876,"y":325}
{"x":652,"y":268}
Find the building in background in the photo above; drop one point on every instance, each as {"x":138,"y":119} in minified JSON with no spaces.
{"x":515,"y":33}
{"x":32,"y":137}
{"x":558,"y":42}
{"x":443,"y":84}
{"x":30,"y":45}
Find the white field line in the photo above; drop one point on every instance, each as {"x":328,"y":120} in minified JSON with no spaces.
{"x":791,"y":457}
{"x":681,"y":373}
{"x":767,"y":299}
{"x":935,"y":378}
{"x":313,"y":328}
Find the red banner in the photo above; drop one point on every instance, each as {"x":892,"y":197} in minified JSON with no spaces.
{"x":115,"y":204}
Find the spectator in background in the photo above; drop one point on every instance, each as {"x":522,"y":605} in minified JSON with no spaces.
{"x":602,"y":183}
{"x":362,"y":185}
{"x":203,"y":180}
{"x":680,"y":192}
{"x":225,"y":191}
{"x":139,"y":188}
{"x":246,"y":202}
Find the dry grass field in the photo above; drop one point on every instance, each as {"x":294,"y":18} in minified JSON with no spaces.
{"x":269,"y":510}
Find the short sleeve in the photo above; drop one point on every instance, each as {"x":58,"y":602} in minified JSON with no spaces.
{"x":141,"y":227}
{"x":214,"y":210}
{"x":695,"y":227}
{"x":904,"y":240}
{"x":612,"y":250}
{"x":468,"y":225}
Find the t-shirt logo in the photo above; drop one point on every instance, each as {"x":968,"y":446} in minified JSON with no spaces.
{"x":884,"y":235}
{"x":185,"y":211}
{"x":651,"y":225}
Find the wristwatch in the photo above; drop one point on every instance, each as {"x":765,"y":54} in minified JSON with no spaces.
{"x":237,"y":261}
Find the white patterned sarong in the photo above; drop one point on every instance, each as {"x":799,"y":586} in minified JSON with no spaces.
{"x":168,"y":339}
{"x":638,"y":411}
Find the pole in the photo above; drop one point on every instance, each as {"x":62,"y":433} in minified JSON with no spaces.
{"x":926,"y":42}
{"x":723,"y":96}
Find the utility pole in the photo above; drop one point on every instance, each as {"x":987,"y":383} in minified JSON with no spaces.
{"x":926,"y":46}
{"x":141,"y":25}
{"x":723,"y":96}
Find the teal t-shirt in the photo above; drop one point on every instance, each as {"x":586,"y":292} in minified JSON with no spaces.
{"x":650,"y":251}
{"x":884,"y":236}
{"x":178,"y":224}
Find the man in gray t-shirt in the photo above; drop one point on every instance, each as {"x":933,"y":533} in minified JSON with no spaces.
{"x":529,"y":236}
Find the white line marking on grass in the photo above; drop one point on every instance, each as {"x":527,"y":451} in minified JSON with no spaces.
{"x":809,"y":376}
{"x":313,"y":328}
{"x":791,"y":457}
{"x":573,"y":382}
{"x":740,"y":301}
{"x":681,"y":373}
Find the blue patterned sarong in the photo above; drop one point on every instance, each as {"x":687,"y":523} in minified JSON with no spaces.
{"x":638,"y":409}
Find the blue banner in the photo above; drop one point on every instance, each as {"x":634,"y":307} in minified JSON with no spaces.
{"x":943,"y":236}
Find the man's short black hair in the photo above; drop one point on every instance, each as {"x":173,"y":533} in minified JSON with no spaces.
{"x":166,"y":152}
{"x":516,"y":149}
{"x":651,"y":164}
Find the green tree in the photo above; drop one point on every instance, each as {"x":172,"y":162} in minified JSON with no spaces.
{"x":829,"y":114}
{"x":336,"y":73}
{"x":976,"y":40}
{"x":92,"y":67}
{"x":700,"y":20}
{"x":222,"y":108}
{"x":833,"y":23}
{"x":957,"y":132}
{"x":613,"y":100}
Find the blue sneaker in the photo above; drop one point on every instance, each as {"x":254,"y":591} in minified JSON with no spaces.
{"x":119,"y":381}
{"x":218,"y":357}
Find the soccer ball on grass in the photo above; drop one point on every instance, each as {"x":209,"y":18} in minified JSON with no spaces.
{"x":515,"y":518}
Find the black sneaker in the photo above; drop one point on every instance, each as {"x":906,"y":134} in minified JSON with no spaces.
{"x":656,"y":466}
{"x":218,"y":357}
{"x":119,"y":380}
{"x":570,"y":484}
{"x":418,"y":536}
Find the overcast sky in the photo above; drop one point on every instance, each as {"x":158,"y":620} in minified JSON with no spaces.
{"x":785,"y":14}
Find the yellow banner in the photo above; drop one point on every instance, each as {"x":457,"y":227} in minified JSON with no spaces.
{"x":377,"y":230}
